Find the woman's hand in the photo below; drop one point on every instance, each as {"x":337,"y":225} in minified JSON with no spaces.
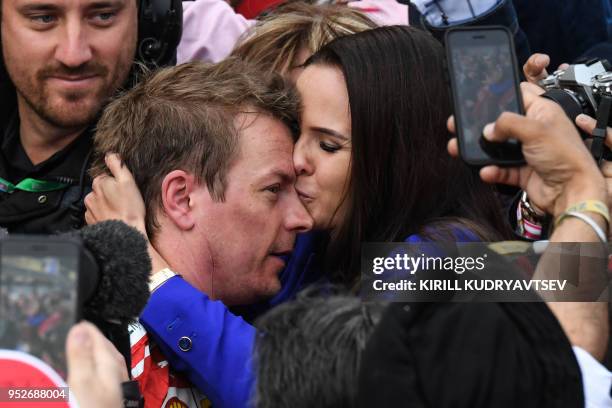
{"x":560,"y":170}
{"x":115,"y":197}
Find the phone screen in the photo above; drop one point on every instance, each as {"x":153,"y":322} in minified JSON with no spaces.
{"x":38,"y":297}
{"x":485,"y":84}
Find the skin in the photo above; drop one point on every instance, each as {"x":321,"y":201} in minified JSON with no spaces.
{"x":66,"y":58}
{"x":296,"y":69}
{"x":554,"y":178}
{"x":232,"y":249}
{"x":95,"y":368}
{"x":322,"y":154}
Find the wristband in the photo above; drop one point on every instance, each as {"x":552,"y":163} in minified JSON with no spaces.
{"x":600,"y":234}
{"x":159,"y":278}
{"x":594,"y":206}
{"x":529,"y":221}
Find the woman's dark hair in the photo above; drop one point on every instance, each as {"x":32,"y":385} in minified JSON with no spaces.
{"x":402,"y":179}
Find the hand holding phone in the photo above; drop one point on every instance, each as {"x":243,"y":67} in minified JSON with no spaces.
{"x":484,"y":81}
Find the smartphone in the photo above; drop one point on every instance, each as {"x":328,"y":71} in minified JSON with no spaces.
{"x":39,"y":296}
{"x":484,"y":81}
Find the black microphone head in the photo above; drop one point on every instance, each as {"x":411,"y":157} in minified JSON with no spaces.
{"x":120,"y":252}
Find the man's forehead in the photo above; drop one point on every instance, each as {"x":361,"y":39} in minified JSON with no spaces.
{"x":268,"y":151}
{"x":276,"y":162}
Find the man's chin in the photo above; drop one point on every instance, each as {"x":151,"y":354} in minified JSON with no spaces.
{"x":261,"y":292}
{"x":72,"y":113}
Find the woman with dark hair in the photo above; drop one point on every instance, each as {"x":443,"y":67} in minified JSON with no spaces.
{"x":372,"y":166}
{"x":371,"y":158}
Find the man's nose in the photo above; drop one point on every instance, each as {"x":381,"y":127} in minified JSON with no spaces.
{"x":301,"y":161}
{"x":75,"y":49}
{"x":298,"y":219}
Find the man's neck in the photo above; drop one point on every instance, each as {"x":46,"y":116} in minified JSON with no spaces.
{"x":194,"y":266}
{"x":41,"y":139}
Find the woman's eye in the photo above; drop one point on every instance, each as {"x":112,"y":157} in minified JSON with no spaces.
{"x":331,"y":148}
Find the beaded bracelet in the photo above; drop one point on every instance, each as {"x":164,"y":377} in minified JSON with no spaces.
{"x":594,"y":206}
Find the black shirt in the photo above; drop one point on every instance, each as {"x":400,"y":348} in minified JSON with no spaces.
{"x":43,"y":212}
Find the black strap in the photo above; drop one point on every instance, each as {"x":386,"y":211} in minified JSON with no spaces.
{"x":599,"y":133}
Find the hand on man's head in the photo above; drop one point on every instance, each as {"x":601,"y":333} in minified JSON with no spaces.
{"x":115,"y":196}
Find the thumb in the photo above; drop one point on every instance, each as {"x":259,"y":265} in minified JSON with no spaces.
{"x":79,"y":354}
{"x":512,"y":126}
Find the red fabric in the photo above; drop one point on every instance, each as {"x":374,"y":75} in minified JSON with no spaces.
{"x":250,"y":9}
{"x":159,"y":385}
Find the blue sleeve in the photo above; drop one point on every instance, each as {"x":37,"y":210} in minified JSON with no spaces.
{"x":219,"y":361}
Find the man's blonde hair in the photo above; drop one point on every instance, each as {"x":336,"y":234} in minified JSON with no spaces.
{"x":275,"y":41}
{"x":183,"y":117}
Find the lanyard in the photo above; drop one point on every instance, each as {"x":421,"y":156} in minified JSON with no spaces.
{"x":31,"y":185}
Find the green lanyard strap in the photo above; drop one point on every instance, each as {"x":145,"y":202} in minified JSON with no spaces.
{"x":31,"y":185}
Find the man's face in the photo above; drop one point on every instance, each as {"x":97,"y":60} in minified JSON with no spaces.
{"x":66,"y":57}
{"x":247,"y":234}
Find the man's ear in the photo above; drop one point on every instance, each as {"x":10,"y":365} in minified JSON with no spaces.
{"x":177,"y":189}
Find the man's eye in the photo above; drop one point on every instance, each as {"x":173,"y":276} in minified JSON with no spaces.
{"x":330,"y":148}
{"x":104,"y":18}
{"x":274,"y":188}
{"x":44,"y":19}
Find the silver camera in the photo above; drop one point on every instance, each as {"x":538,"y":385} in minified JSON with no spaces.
{"x":585,"y":88}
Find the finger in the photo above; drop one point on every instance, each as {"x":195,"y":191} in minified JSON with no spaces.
{"x":89,"y":219}
{"x":531,"y":93}
{"x":101,"y":183}
{"x":532,"y":88}
{"x":606,"y":169}
{"x":588,"y":124}
{"x":453,"y":148}
{"x":116,"y":167}
{"x":512,"y":126}
{"x":500,"y":175}
{"x":535,"y":67}
{"x":79,"y":356}
{"x":450,"y":124}
{"x":88,"y":200}
{"x":563,"y":67}
{"x":107,"y":358}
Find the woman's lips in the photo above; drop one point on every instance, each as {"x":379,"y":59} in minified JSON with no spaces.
{"x":304,"y":197}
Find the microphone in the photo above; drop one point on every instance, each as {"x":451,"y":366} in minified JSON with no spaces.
{"x":116,"y":285}
{"x":114,"y":279}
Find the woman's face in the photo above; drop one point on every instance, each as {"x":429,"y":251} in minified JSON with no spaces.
{"x":322,"y":154}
